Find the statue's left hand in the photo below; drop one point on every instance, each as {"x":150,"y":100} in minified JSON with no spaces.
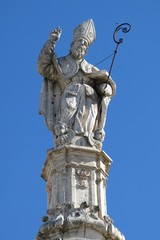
{"x":108,"y":91}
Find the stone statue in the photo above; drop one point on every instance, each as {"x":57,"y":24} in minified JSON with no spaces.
{"x":74,"y":96}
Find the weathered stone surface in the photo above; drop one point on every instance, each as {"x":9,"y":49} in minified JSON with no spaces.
{"x":75,"y":94}
{"x":78,"y":225}
{"x":75,"y":175}
{"x":76,"y":185}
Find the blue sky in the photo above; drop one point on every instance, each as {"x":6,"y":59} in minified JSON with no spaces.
{"x":132,"y":127}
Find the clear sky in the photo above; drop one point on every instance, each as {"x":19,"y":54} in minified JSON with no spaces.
{"x":133,"y":120}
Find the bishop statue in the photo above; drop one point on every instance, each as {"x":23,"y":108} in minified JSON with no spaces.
{"x":75,"y":94}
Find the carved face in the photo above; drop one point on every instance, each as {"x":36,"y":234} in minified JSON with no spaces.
{"x":79,"y":48}
{"x":60,"y":128}
{"x":99,"y":135}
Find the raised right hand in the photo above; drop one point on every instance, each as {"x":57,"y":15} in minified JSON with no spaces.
{"x":55,"y":34}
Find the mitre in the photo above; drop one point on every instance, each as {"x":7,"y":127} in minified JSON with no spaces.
{"x":85,"y":30}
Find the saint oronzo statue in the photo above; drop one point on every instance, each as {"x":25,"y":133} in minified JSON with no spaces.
{"x":75,"y":94}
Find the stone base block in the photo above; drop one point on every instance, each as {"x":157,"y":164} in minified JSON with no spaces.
{"x":75,"y":175}
{"x":76,"y":185}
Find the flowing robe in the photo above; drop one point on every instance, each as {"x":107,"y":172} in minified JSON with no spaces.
{"x":72,"y":94}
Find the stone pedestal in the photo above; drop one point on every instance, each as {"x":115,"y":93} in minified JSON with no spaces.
{"x":76,"y":185}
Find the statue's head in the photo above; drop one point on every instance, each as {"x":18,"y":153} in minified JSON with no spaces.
{"x":99,"y":134}
{"x":84,"y":36}
{"x":60,"y":128}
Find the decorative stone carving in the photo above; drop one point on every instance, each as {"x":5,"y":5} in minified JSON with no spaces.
{"x":73,"y":174}
{"x":77,"y":209}
{"x":83,"y":175}
{"x":75,"y":94}
{"x":78,"y":224}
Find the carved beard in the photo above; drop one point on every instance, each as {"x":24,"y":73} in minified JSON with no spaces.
{"x":77,"y":53}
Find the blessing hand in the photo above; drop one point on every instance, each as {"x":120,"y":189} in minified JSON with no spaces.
{"x":55,"y":34}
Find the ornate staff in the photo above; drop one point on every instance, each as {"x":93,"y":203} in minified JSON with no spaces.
{"x":125,"y":27}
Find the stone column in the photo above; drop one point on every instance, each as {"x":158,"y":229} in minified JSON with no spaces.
{"x":76,"y":186}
